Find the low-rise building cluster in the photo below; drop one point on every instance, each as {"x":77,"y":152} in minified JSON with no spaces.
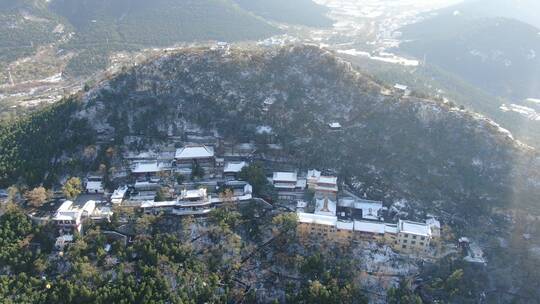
{"x":193,"y":180}
{"x":348,"y":219}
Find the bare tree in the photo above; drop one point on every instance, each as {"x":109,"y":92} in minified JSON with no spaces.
{"x":37,"y":196}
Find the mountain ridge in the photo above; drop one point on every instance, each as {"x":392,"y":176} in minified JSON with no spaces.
{"x":314,"y":88}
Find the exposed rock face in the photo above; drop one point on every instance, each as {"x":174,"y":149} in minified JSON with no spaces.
{"x":389,"y":147}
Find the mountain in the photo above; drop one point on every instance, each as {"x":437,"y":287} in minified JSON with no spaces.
{"x":78,"y":37}
{"x":497,"y":55}
{"x":24,"y":26}
{"x":431,"y":156}
{"x":431,"y":80}
{"x":422,"y":150}
{"x":106,"y":25}
{"x":161,"y":22}
{"x":522,"y":10}
{"x":300,"y":12}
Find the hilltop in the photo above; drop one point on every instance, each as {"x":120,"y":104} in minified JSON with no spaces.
{"x":420,"y":150}
{"x":425,"y":156}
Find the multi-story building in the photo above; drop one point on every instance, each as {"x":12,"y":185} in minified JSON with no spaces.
{"x":327,"y":185}
{"x":240,"y":190}
{"x":288,"y":185}
{"x":412,"y":236}
{"x":94,"y":184}
{"x":406,"y":236}
{"x":316,"y":226}
{"x":69,"y":217}
{"x":435,"y":227}
{"x":322,"y":184}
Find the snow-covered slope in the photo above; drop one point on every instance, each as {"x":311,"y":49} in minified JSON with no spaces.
{"x":390,"y":147}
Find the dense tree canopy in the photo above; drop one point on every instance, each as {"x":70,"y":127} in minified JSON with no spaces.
{"x":29,"y":146}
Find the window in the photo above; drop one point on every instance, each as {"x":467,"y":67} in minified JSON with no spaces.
{"x":423,"y":238}
{"x":414,"y":237}
{"x":405,"y":241}
{"x":404,"y":246}
{"x":421,"y":244}
{"x":413,"y":242}
{"x":406,"y":235}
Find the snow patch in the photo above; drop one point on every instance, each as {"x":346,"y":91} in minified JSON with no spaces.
{"x":526,"y":112}
{"x":384,"y":57}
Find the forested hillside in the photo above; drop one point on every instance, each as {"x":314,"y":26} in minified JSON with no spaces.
{"x":430,"y":156}
{"x":24,"y":27}
{"x":93,"y":30}
{"x":105,"y":25}
{"x":522,"y":10}
{"x":29,"y":147}
{"x":440,"y":151}
{"x":496,"y":54}
{"x":430,"y":79}
{"x":300,"y":12}
{"x":452,"y":149}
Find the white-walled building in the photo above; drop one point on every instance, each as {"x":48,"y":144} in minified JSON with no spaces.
{"x":69,"y":217}
{"x":288,"y":185}
{"x":325,"y":206}
{"x":360,"y":209}
{"x":94,"y":184}
{"x":413,"y":236}
{"x":119,"y":195}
